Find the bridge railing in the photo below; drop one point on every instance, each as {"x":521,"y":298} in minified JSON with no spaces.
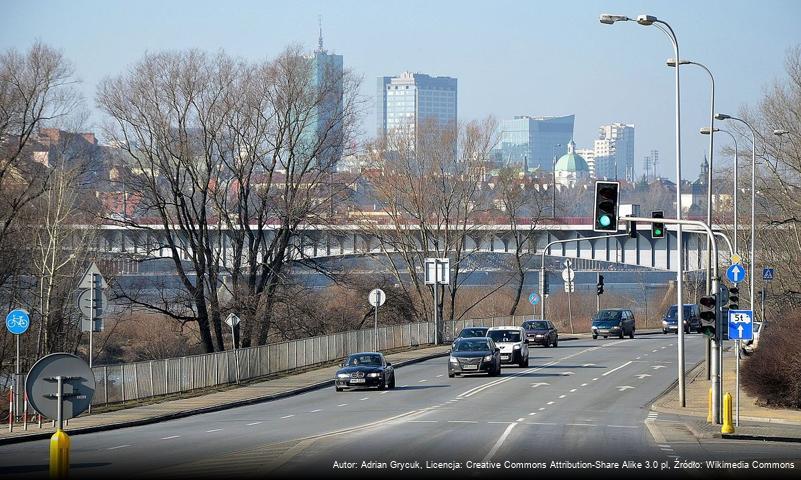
{"x":141,"y":380}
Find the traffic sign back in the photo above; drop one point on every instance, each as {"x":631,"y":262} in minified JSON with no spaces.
{"x":78,"y":381}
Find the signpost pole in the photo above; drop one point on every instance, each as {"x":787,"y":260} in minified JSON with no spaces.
{"x":91,"y":317}
{"x":60,"y":441}
{"x":236,"y":352}
{"x":15,"y":388}
{"x":436,"y":320}
{"x":737,"y":385}
{"x":375,"y":327}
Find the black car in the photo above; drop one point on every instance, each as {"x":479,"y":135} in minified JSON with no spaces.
{"x":472,"y":332}
{"x":474,"y":355}
{"x":541,"y":332}
{"x":365,"y":370}
{"x":616,"y":321}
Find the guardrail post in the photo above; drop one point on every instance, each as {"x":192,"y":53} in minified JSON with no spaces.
{"x":152,"y":390}
{"x":166,"y":376}
{"x":105,"y":386}
{"x":122,"y":377}
{"x":136,"y":380}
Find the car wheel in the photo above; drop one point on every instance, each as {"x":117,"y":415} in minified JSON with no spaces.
{"x":392,"y":382}
{"x":338,"y":389}
{"x":524,"y":364}
{"x":450,"y":375}
{"x":664,"y":332}
{"x":621,"y":334}
{"x":556,"y":343}
{"x":383,"y":385}
{"x":595,"y":337}
{"x":606,"y":336}
{"x":631,"y":333}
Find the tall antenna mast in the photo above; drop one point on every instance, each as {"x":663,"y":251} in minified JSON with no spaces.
{"x":320,"y":40}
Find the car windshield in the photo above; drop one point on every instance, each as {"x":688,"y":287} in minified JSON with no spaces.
{"x":367,"y":360}
{"x":473,"y":332}
{"x":672,"y":311}
{"x":606,"y":316}
{"x":471,"y":345}
{"x":536,"y":325}
{"x":501,"y":336}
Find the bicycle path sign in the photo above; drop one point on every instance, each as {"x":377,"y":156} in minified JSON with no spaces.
{"x":18,"y":321}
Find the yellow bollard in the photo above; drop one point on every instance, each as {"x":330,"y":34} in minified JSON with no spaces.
{"x":709,"y":417}
{"x":59,"y":455}
{"x":728,"y":425}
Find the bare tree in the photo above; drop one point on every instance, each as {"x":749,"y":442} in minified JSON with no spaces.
{"x":37,"y":89}
{"x":431,"y":190}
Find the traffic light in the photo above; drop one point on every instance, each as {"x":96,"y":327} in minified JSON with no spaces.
{"x":708,"y":306}
{"x":606,"y":199}
{"x":734,"y":298}
{"x":658,"y":229}
{"x":600,"y":286}
{"x":545,"y":287}
{"x":631,"y":228}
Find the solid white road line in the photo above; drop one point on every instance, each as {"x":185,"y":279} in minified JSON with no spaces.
{"x":499,"y":442}
{"x":214,"y":430}
{"x":171,"y":437}
{"x":118,"y":446}
{"x":616,"y":369}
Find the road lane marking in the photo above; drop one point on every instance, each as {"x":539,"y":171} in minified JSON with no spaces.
{"x":214,"y":430}
{"x":616,"y":369}
{"x":621,"y":388}
{"x":118,"y":446}
{"x":550,"y":403}
{"x":440,"y":375}
{"x":253,"y":423}
{"x":540,"y":423}
{"x":521,"y":419}
{"x":664,"y":446}
{"x":532,"y":413}
{"x":422,"y":421}
{"x":365,"y":398}
{"x":562,"y":396}
{"x":342,"y":405}
{"x":657,"y":367}
{"x":502,"y":423}
{"x":643,"y":375}
{"x":654,"y":351}
{"x":622,"y":426}
{"x":462,"y":421}
{"x":573,"y":390}
{"x":584,"y":384}
{"x":171,"y":437}
{"x":317,"y":410}
{"x":423,"y":380}
{"x":581,"y":425}
{"x":499,"y":442}
{"x":383,"y":393}
{"x":542,"y":408}
{"x":288,"y":416}
{"x":594,"y":379}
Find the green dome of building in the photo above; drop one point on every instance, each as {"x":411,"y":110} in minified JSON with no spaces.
{"x":571,"y":161}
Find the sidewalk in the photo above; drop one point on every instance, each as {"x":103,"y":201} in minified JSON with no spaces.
{"x":235,"y":397}
{"x":756,"y":422}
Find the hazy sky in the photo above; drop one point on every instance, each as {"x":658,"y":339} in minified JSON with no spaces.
{"x":510,"y":57}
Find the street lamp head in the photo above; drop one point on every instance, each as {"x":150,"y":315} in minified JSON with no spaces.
{"x":646,"y":19}
{"x":671,"y":62}
{"x":706,"y":131}
{"x":781,"y":132}
{"x":722,"y":116}
{"x":609,"y":19}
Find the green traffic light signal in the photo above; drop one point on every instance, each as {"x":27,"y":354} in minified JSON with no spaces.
{"x":604,"y":220}
{"x":658,"y":228}
{"x":606,"y":206}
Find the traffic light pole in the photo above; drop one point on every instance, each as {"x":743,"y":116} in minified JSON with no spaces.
{"x":680,"y":304}
{"x":555,"y":242}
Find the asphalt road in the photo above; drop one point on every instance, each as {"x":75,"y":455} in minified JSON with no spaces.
{"x":585,"y":401}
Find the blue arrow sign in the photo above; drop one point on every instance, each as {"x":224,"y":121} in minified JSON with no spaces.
{"x":18,"y":321}
{"x":534,"y":298}
{"x":741,"y":325}
{"x":735,"y":273}
{"x":767,"y":273}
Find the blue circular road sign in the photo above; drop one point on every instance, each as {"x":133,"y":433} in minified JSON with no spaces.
{"x":735,"y":273}
{"x":18,"y":321}
{"x":534,"y":298}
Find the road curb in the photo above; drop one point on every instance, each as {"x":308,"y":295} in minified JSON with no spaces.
{"x":199,"y":411}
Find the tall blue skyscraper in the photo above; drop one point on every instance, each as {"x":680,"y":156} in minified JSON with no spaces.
{"x":407,"y":101}
{"x":327,"y":71}
{"x":534,"y":142}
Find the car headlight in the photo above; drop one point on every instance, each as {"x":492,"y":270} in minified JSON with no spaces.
{"x":453,"y":360}
{"x":540,"y":336}
{"x":664,"y":322}
{"x":374,"y":375}
{"x":594,"y":327}
{"x":517,"y":347}
{"x":343,"y":375}
{"x":488,"y":358}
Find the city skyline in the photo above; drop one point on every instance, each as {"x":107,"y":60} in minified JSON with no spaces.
{"x":511,"y":58}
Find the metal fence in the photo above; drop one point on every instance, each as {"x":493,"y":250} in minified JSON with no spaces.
{"x":134,"y":381}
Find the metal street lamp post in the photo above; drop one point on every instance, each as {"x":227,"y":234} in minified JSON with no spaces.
{"x":648,"y":20}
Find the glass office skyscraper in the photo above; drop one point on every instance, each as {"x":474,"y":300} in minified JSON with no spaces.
{"x":534,"y":142}
{"x":406,"y":101}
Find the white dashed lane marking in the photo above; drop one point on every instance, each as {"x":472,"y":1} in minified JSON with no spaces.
{"x":252,"y":423}
{"x":118,"y":446}
{"x":287,"y":416}
{"x":365,"y":398}
{"x":562,"y":396}
{"x":214,"y":430}
{"x":550,"y":403}
{"x":342,"y":405}
{"x":171,"y":437}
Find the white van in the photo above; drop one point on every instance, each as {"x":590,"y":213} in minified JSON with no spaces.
{"x":512,"y":342}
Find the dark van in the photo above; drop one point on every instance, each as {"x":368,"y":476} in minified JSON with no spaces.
{"x":617,"y":322}
{"x":692,"y":319}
